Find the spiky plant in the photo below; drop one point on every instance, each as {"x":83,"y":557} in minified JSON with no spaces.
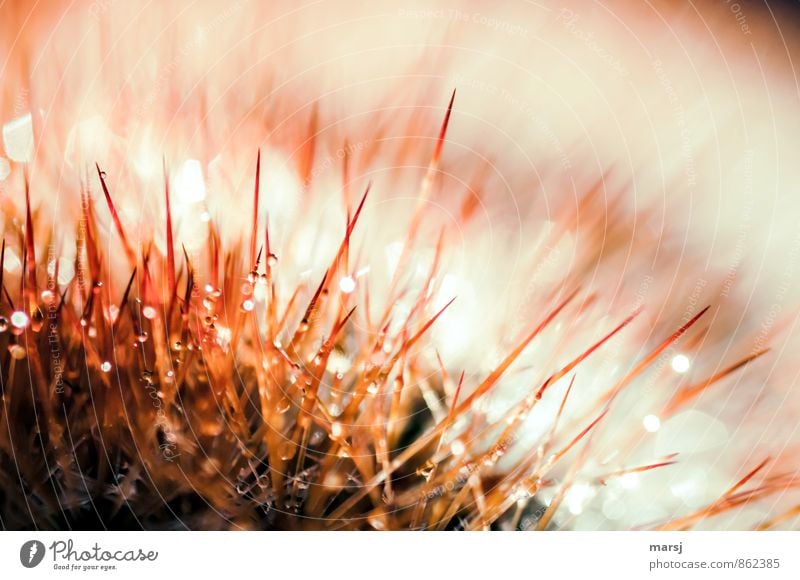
{"x":227,"y":400}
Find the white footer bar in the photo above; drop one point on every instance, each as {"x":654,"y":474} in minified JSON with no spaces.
{"x":395,"y":555}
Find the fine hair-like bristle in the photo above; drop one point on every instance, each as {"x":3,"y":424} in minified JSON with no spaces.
{"x":180,"y":400}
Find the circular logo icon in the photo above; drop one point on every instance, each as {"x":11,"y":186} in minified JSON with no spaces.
{"x":31,"y":553}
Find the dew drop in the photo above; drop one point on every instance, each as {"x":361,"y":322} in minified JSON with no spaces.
{"x":651,"y":423}
{"x":105,"y":367}
{"x":19,"y":319}
{"x":3,"y":324}
{"x":457,"y":447}
{"x":283,"y":405}
{"x":347,"y":284}
{"x":287,"y":450}
{"x":377,"y":519}
{"x":272,"y":259}
{"x":316,"y":438}
{"x":17,"y":351}
{"x":681,"y":363}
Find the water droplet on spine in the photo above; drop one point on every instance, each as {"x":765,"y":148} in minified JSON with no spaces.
{"x":457,"y":447}
{"x":287,"y":450}
{"x":3,"y":324}
{"x":377,"y":519}
{"x":17,"y":351}
{"x":283,"y":405}
{"x":316,"y":438}
{"x":272,"y":259}
{"x":347,"y":284}
{"x":19,"y":319}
